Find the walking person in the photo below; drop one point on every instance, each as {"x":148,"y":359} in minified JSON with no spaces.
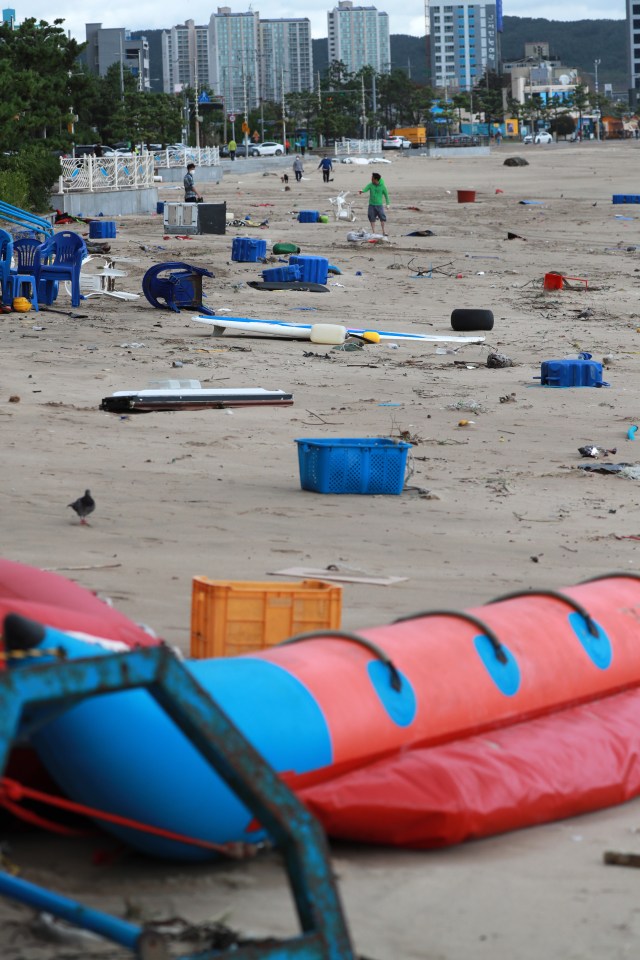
{"x":298,"y":168}
{"x":378,"y":195}
{"x":233,"y":146}
{"x":326,"y":165}
{"x":191,"y":195}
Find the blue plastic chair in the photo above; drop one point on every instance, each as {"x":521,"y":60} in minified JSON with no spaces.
{"x":60,"y":258}
{"x":24,"y":273}
{"x":181,"y":287}
{"x":6,"y":253}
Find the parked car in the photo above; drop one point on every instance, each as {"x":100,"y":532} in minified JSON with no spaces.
{"x":268,"y":148}
{"x":542,"y":136}
{"x":396,"y":143}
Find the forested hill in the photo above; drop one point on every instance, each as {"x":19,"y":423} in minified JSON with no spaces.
{"x":576,"y":42}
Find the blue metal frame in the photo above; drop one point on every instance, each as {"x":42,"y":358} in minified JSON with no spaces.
{"x":294,"y":830}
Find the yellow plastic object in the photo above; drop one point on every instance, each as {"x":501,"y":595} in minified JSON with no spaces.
{"x":21,"y":304}
{"x":372,"y":336}
{"x":231,"y":617}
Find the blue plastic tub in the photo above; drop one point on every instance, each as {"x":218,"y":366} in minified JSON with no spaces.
{"x":571,"y":373}
{"x":313,"y":269}
{"x":368,"y":466}
{"x":308,"y":216}
{"x":160,"y":206}
{"x":102,"y":229}
{"x":248,"y":249}
{"x":282,"y":274}
{"x":626,"y":198}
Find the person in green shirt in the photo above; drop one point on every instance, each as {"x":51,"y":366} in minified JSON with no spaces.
{"x":378,"y":193}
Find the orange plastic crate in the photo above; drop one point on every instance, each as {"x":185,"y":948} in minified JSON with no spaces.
{"x":230,"y":617}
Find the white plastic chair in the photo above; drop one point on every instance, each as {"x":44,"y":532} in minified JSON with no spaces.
{"x":343,"y":209}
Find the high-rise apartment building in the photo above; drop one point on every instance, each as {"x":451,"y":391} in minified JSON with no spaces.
{"x":233,"y":54}
{"x":359,"y":37}
{"x":185,"y":57}
{"x":633,"y":51}
{"x":9,"y":17}
{"x":106,"y":46}
{"x":464,"y":42}
{"x":285,"y":57}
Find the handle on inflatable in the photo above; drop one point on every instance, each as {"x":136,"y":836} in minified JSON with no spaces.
{"x":395,"y":679}
{"x":498,"y":649}
{"x":556,"y":595}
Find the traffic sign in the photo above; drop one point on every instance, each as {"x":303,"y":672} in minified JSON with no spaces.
{"x":232,"y":117}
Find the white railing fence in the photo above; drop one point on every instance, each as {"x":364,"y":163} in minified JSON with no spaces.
{"x":348,"y":148}
{"x":180,"y":157}
{"x":130,"y":172}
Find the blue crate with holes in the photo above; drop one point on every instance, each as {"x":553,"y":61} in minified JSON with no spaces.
{"x":248,"y":249}
{"x":308,"y":216}
{"x":282,"y":274}
{"x":102,"y":229}
{"x":314,"y":269}
{"x":626,"y":198}
{"x":366,"y":466}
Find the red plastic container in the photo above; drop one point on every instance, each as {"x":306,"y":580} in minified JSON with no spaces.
{"x":466,"y":196}
{"x":553,"y":281}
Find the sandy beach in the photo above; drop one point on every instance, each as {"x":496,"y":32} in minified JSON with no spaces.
{"x":494,"y":505}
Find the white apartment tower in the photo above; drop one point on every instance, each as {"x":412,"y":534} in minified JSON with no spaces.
{"x":285,"y":55}
{"x":359,"y":37}
{"x":233,"y":56}
{"x":464,"y":42}
{"x":185,"y":57}
{"x":633,"y":51}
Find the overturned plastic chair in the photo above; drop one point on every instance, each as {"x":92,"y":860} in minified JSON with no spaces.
{"x":342,"y":208}
{"x":58,"y":259}
{"x":180,"y":288}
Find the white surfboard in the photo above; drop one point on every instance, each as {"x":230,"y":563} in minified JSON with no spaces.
{"x":302,"y":331}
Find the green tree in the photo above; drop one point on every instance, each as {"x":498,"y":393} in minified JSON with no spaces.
{"x":37,"y":66}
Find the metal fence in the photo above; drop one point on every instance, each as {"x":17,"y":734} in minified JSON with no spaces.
{"x":116,"y":172}
{"x":348,"y":148}
{"x":181,"y":156}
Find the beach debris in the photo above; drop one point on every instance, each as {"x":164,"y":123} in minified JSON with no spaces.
{"x":516,"y":162}
{"x":83,"y":506}
{"x":466,"y":406}
{"x":180,"y":287}
{"x":613,"y":857}
{"x":148,"y":401}
{"x":498,"y":360}
{"x":508,"y":398}
{"x":466,"y":423}
{"x":334,"y":571}
{"x":587,"y":314}
{"x":595,"y":452}
{"x":629,"y":470}
{"x":631,"y":432}
{"x":514,"y":236}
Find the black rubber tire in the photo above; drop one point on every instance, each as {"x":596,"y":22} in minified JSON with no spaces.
{"x":463,"y":320}
{"x":278,"y":153}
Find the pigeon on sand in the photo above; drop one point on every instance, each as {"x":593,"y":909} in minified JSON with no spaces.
{"x":83,"y":506}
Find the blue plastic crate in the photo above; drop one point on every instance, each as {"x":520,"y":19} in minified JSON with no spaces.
{"x":282,"y":274}
{"x":571,"y":373}
{"x":368,"y":466}
{"x":248,"y":249}
{"x":102,"y":229}
{"x":160,"y":207}
{"x":313,"y":269}
{"x":626,"y":198}
{"x":308,"y":216}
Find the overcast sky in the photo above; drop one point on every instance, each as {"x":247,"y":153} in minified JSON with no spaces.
{"x":410,"y":19}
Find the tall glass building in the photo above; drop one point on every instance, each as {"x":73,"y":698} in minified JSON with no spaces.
{"x":633,"y":51}
{"x":233,"y":58}
{"x":359,"y":37}
{"x":464,"y":42}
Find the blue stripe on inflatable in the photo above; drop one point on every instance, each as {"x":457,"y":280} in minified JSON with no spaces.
{"x":598,"y":648}
{"x":123,"y":754}
{"x":506,"y":676}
